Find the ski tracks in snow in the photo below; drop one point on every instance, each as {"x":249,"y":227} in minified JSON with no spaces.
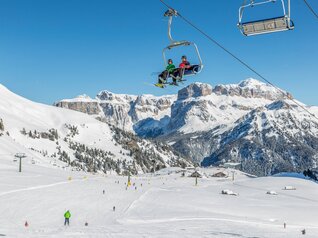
{"x":176,"y":219}
{"x":40,"y":187}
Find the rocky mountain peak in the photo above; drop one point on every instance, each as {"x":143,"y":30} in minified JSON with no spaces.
{"x":251,"y":88}
{"x":84,"y":96}
{"x":195,"y":90}
{"x":105,"y":95}
{"x":143,"y":100}
{"x":250,"y":82}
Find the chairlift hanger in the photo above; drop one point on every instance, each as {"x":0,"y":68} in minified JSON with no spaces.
{"x":265,"y":26}
{"x":173,"y":44}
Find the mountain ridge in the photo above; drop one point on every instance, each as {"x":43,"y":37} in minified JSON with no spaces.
{"x":200,"y":117}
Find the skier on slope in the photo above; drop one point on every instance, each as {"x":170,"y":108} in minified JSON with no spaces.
{"x":67,"y":216}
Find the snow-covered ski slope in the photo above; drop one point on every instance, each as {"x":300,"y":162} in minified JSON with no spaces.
{"x":49,"y":135}
{"x":165,"y":205}
{"x":18,"y":113}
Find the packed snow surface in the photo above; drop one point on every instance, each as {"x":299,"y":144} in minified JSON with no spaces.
{"x":161,"y":205}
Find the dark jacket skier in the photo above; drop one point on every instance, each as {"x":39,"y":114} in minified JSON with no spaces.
{"x":165,"y":74}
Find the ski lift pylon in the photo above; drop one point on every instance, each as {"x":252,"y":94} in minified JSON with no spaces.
{"x":173,"y":44}
{"x":265,"y":26}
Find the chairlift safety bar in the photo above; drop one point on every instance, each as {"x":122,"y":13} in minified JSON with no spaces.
{"x":276,"y":24}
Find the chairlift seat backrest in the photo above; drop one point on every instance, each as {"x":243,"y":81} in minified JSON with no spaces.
{"x":195,"y":70}
{"x":178,"y":43}
{"x":276,"y":24}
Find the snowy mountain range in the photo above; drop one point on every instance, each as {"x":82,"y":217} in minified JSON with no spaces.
{"x":67,"y":139}
{"x":251,"y":123}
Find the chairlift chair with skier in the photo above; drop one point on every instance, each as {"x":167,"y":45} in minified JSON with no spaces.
{"x":195,"y":69}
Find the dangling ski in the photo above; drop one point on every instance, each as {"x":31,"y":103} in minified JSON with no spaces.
{"x":160,"y":85}
{"x":177,"y":80}
{"x":157,"y":85}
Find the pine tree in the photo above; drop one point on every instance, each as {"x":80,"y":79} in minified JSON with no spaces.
{"x":23,"y":132}
{"x":1,"y":125}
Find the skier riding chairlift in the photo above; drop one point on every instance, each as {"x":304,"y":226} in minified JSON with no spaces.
{"x":171,"y":71}
{"x":185,"y":69}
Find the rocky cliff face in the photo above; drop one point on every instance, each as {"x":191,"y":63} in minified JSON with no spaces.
{"x":195,"y":90}
{"x":251,"y":123}
{"x":90,"y":108}
{"x":122,"y":111}
{"x":82,"y":103}
{"x":251,"y":88}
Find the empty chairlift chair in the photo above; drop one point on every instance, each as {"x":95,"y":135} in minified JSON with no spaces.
{"x":265,"y":26}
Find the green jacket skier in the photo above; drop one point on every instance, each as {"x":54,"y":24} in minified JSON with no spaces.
{"x":170,"y":67}
{"x":67,"y":216}
{"x":165,"y":74}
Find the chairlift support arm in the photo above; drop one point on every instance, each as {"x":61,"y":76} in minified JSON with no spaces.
{"x":170,"y":13}
{"x":252,"y":3}
{"x":173,"y":43}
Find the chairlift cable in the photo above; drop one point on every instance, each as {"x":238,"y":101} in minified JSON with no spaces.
{"x":311,"y":9}
{"x":210,"y":38}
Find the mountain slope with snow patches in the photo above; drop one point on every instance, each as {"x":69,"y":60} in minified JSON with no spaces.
{"x":50,"y":134}
{"x":226,"y":123}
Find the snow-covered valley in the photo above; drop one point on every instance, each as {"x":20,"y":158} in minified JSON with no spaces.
{"x":164,"y":205}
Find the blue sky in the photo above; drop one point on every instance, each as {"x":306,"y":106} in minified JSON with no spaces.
{"x":55,"y":49}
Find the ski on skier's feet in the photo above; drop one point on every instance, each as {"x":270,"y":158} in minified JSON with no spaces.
{"x":159,"y":85}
